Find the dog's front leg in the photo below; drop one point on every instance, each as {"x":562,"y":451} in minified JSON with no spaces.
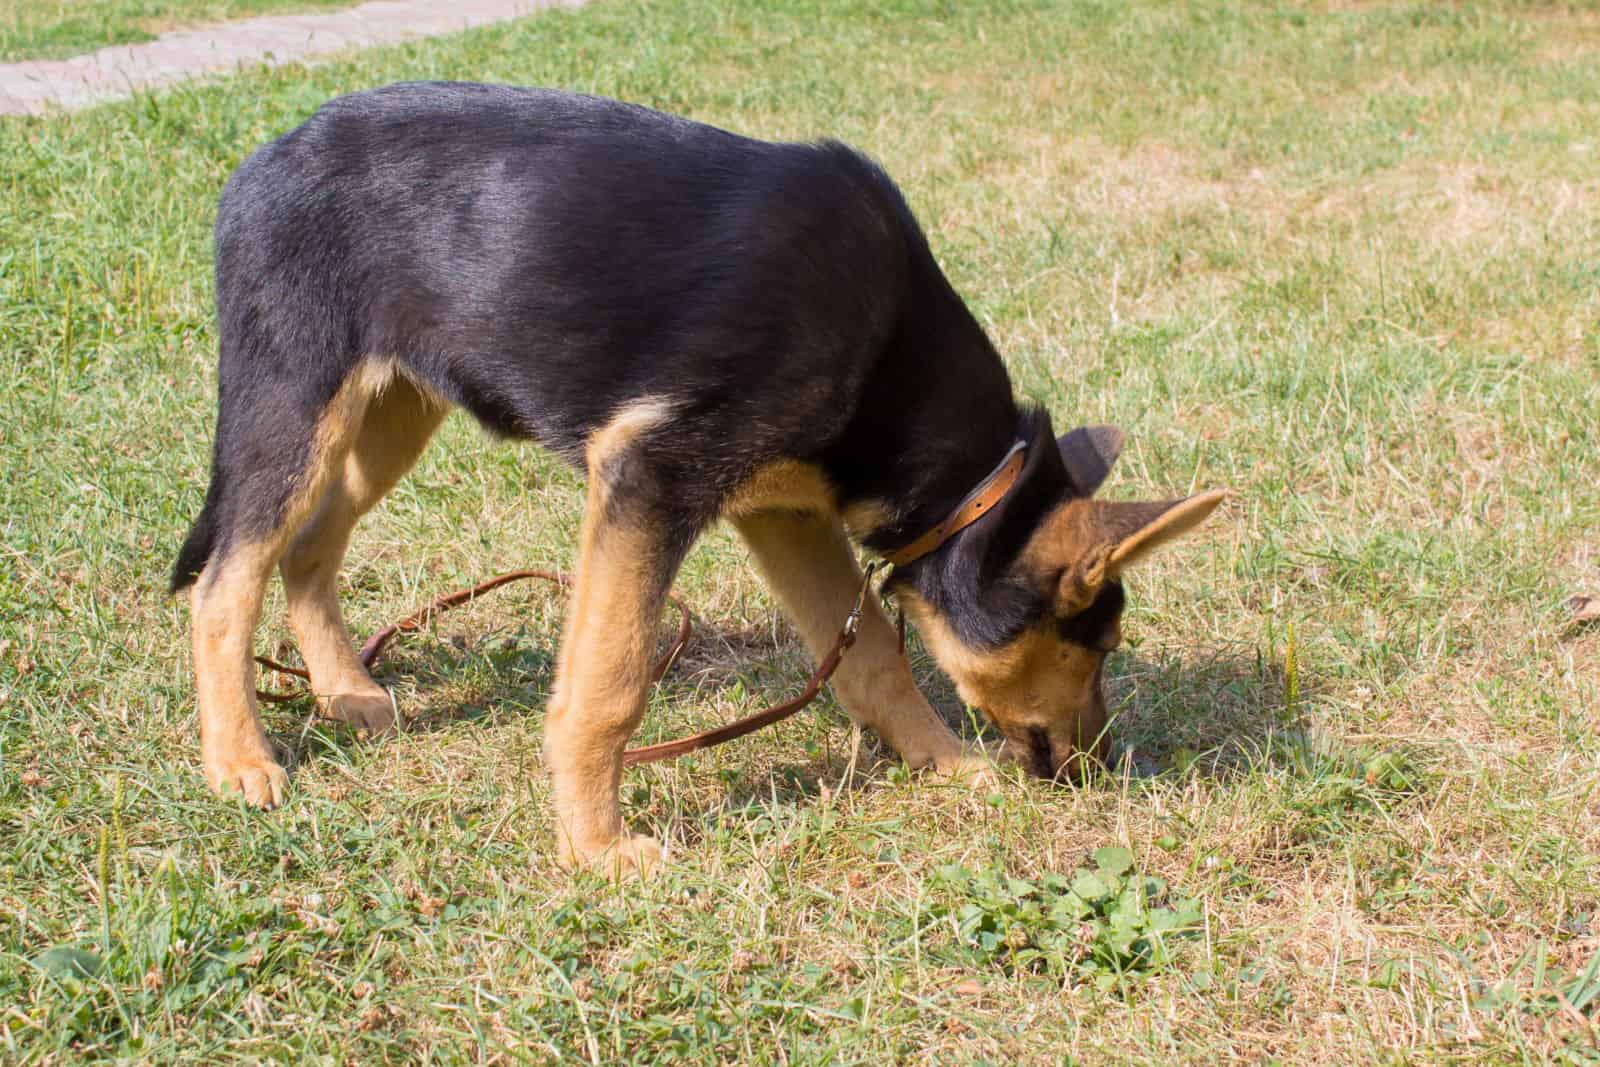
{"x":602,"y":683}
{"x":807,"y":561}
{"x":630,"y":552}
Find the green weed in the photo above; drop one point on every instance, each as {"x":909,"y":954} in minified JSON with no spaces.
{"x":1100,"y":924}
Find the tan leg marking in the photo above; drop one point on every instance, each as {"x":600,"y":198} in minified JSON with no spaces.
{"x":394,"y":430}
{"x":226,"y":605}
{"x":603,"y":677}
{"x":783,"y":484}
{"x":807,"y":561}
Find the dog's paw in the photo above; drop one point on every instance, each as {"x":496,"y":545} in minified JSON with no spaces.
{"x":970,"y":768}
{"x":370,"y":711}
{"x":259,"y":779}
{"x":635,"y":856}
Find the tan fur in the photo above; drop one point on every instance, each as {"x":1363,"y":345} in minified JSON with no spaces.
{"x":786,"y":484}
{"x":1036,"y":682}
{"x":865,"y":517}
{"x":1069,"y":542}
{"x":1039,"y":681}
{"x":625,"y":425}
{"x":1091,"y":542}
{"x":603,"y":676}
{"x":226,"y":605}
{"x":789,"y":485}
{"x":807,"y":561}
{"x":394,"y":430}
{"x":1173,"y":524}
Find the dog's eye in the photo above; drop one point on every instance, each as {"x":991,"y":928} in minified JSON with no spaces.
{"x":1098,"y":626}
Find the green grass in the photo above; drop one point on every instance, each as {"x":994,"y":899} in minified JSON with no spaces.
{"x":1346,"y":261}
{"x":54,"y":29}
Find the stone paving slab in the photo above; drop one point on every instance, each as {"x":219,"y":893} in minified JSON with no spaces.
{"x":37,"y":87}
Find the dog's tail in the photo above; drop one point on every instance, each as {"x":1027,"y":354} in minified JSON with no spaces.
{"x":198,"y":546}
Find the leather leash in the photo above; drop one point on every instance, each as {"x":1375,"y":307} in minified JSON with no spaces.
{"x":847,"y":636}
{"x":665,"y":750}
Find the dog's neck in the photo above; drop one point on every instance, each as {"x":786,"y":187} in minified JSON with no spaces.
{"x":937,"y":414}
{"x":969,"y":581}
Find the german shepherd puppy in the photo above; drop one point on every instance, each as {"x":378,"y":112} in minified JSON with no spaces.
{"x":711,"y":327}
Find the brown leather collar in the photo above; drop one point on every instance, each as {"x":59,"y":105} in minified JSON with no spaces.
{"x":989,"y":492}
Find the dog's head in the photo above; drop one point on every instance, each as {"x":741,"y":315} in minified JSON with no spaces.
{"x":1051,"y":608}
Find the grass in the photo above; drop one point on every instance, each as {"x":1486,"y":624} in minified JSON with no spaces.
{"x":1341,"y":258}
{"x":54,"y":29}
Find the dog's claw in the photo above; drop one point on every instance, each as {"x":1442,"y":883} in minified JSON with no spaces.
{"x":262,"y":782}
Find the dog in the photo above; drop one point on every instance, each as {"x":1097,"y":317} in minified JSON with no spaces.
{"x":711,"y":328}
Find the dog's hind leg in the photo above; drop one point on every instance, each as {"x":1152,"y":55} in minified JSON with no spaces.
{"x":630,"y":551}
{"x":225,"y":605}
{"x":806,"y":560}
{"x":394,"y":429}
{"x":273,"y":466}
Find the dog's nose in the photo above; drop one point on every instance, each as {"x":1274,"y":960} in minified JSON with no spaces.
{"x":1041,"y":757}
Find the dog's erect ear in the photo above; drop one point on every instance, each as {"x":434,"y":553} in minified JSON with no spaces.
{"x":1114,"y":536}
{"x":1140,"y":529}
{"x":1089,"y":452}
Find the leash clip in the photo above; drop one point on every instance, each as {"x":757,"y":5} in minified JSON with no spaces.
{"x":852,"y":621}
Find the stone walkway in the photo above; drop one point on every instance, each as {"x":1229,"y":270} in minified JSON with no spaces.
{"x":37,"y":87}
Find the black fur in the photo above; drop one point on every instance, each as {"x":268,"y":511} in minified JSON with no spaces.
{"x":541,"y":259}
{"x":972,"y":581}
{"x":1096,"y":627}
{"x":199,"y":545}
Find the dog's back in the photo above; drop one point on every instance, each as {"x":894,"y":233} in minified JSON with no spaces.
{"x":540,"y":258}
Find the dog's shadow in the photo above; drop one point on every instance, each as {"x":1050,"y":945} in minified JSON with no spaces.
{"x":1207,"y":709}
{"x":1210,"y":711}
{"x":447,"y":677}
{"x":439,"y":681}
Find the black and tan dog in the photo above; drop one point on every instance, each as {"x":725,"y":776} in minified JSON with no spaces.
{"x":711,"y":327}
